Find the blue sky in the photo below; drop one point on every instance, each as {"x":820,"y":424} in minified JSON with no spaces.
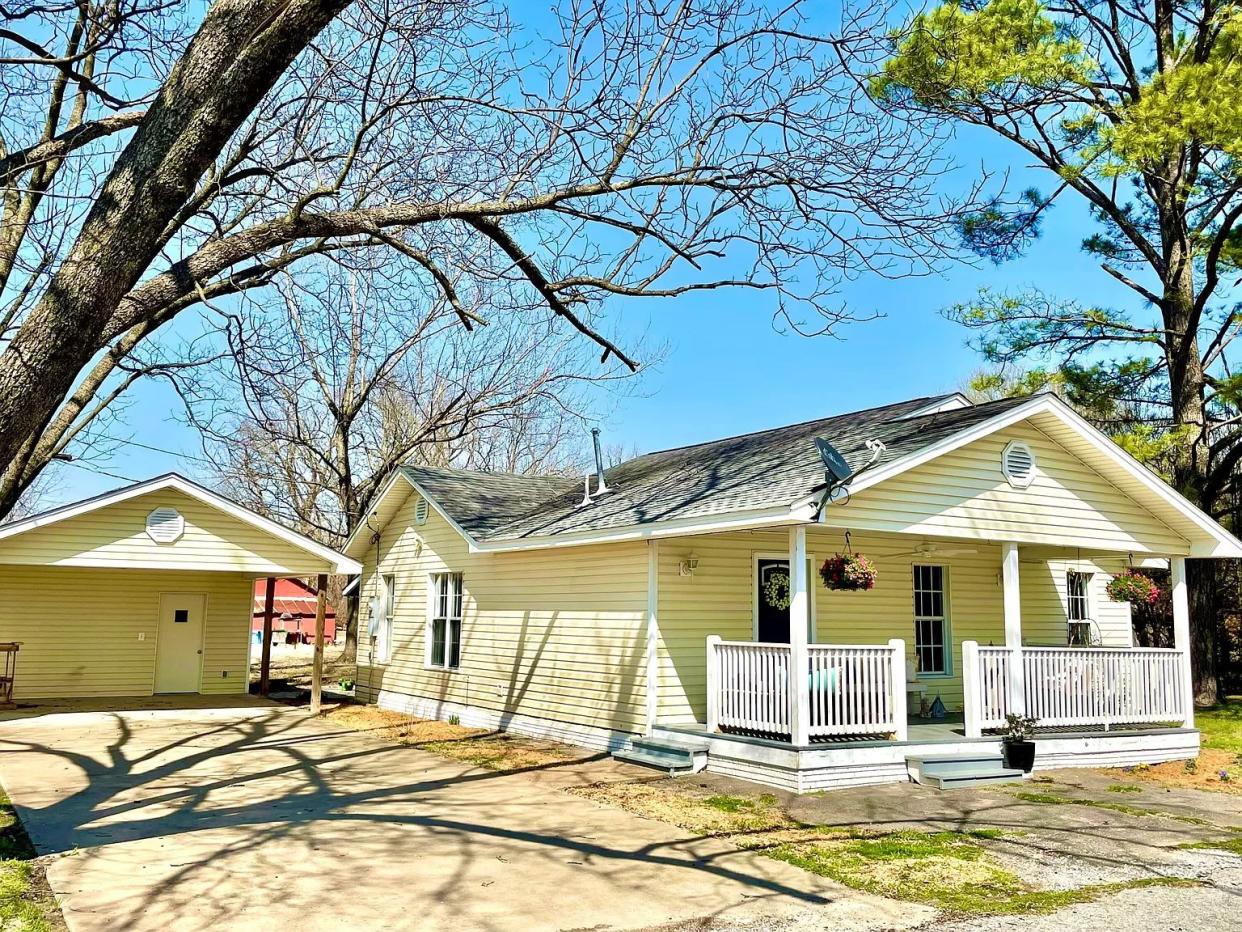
{"x":728,"y":369}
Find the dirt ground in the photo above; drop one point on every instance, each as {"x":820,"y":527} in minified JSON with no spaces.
{"x":1060,"y":844}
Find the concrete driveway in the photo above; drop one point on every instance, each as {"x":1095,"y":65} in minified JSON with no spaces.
{"x":260,"y":817}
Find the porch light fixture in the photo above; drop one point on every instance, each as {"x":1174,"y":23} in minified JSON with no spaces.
{"x":687,"y":566}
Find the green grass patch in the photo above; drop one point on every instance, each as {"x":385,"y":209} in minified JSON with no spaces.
{"x":1056,"y":799}
{"x":947,"y":870}
{"x":1221,"y":725}
{"x":18,"y":910}
{"x":1125,"y":788}
{"x":740,"y":803}
{"x":1232,"y":845}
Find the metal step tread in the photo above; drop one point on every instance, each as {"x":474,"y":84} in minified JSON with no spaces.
{"x":953,"y":758}
{"x":972,"y":777}
{"x":663,"y":762}
{"x":683,"y":745}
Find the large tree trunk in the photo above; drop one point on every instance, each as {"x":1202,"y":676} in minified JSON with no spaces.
{"x":1187,"y":385}
{"x":1204,"y":622}
{"x":237,"y":55}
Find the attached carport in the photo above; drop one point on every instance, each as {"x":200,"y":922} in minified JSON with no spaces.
{"x":145,"y":590}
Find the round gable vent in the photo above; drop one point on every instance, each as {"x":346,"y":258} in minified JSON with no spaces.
{"x":1018,"y":464}
{"x":420,"y":511}
{"x":165,"y":525}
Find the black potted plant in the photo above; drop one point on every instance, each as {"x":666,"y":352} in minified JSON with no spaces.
{"x":1019,"y":748}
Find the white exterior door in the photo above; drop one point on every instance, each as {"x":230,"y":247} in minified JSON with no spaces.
{"x":179,"y":648}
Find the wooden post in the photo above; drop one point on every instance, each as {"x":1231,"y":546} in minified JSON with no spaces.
{"x":653,"y":634}
{"x":799,"y":656}
{"x":900,"y":725}
{"x":1181,"y":638}
{"x":321,"y":606}
{"x":713,"y":682}
{"x":265,"y":663}
{"x":1013,"y":628}
{"x":970,"y":689}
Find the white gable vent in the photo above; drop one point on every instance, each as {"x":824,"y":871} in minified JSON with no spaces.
{"x":1018,"y":464}
{"x":420,"y":511}
{"x":165,"y":525}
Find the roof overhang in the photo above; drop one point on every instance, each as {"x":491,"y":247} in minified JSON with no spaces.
{"x":339,"y":562}
{"x":1211,"y":540}
{"x":1207,"y":540}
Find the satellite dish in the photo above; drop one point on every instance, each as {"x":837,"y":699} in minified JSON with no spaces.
{"x":838,"y":469}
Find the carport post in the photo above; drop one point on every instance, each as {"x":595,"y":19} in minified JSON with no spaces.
{"x":321,"y":595}
{"x":265,"y":664}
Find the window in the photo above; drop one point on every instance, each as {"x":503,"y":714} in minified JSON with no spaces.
{"x":931,"y":628}
{"x":1078,"y":607}
{"x":384,"y":612}
{"x":444,"y":631}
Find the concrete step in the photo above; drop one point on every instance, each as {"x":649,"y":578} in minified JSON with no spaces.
{"x":686,"y":745}
{"x":944,"y":764}
{"x":669,"y":763}
{"x":952,"y":781}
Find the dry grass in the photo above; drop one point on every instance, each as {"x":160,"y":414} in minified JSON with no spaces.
{"x":693,"y":807}
{"x":1203,"y":775}
{"x":477,"y":746}
{"x":1221,"y":731}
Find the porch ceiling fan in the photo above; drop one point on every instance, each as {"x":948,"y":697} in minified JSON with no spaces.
{"x":929,"y":549}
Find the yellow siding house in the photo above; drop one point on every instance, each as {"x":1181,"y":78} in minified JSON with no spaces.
{"x":675,"y":609}
{"x":144,"y":590}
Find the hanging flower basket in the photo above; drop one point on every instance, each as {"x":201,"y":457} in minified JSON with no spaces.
{"x":848,"y":572}
{"x":1134,"y":587}
{"x":776,"y":591}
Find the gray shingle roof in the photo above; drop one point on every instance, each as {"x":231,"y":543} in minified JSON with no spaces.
{"x":770,"y":468}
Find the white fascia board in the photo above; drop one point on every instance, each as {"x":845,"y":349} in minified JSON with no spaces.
{"x":352,"y":542}
{"x":777,"y":516}
{"x":1223,"y":544}
{"x":340,"y":562}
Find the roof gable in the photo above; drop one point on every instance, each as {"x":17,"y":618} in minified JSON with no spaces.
{"x":110,"y":530}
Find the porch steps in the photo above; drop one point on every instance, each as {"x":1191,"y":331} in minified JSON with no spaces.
{"x":672,"y":755}
{"x":949,"y":771}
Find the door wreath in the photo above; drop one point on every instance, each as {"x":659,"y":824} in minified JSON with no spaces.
{"x":776,"y":590}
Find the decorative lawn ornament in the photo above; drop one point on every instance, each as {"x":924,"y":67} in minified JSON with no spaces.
{"x":848,"y":572}
{"x":776,"y":591}
{"x":1134,"y":587}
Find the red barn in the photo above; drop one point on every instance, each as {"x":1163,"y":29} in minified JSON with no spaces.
{"x":293,"y":611}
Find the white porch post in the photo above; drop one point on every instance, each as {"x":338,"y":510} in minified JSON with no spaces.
{"x":1013,"y":628}
{"x":799,"y":657}
{"x":713,"y":682}
{"x":653,"y":633}
{"x":900,"y":725}
{"x":970,"y":689}
{"x":1181,"y":636}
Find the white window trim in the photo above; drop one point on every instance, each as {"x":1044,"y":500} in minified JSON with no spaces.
{"x":812,"y":588}
{"x":428,"y":630}
{"x":387,"y":599}
{"x":949,"y":666}
{"x":1089,"y":589}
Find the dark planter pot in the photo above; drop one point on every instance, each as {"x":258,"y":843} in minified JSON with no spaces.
{"x":1020,"y":755}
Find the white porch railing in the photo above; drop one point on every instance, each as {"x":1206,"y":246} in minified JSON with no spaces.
{"x":985,"y":686}
{"x":1102,"y":686}
{"x":748,"y":686}
{"x":852,"y":689}
{"x":1065,"y":686}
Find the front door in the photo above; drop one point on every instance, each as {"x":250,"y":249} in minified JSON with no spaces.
{"x":773,"y":601}
{"x":179,"y":643}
